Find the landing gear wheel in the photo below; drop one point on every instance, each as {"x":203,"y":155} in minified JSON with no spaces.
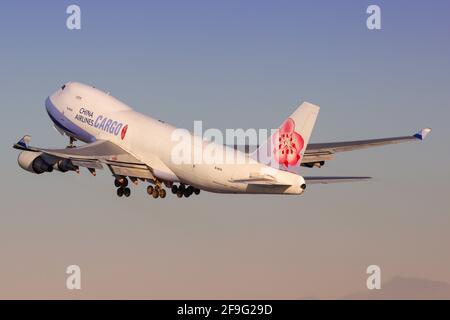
{"x":117,"y":183}
{"x":120,"y":192}
{"x":162,"y":193}
{"x":189,"y":190}
{"x":196,"y":191}
{"x":150,"y":190}
{"x":179,"y":194}
{"x":155,"y":193}
{"x":124,"y":182}
{"x":187,"y":194}
{"x":126,"y":192}
{"x":174,"y":189}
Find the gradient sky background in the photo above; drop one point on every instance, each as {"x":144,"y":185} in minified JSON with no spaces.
{"x":232,"y":64}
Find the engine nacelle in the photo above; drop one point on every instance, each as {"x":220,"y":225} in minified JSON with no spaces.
{"x":65,"y":165}
{"x":33,"y":162}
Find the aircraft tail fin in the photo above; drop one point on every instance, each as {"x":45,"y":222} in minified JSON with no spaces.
{"x":286,"y":146}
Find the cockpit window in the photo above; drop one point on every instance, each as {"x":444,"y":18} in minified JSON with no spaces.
{"x":63,"y":87}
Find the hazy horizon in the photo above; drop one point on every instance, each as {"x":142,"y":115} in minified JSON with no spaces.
{"x":232,"y":64}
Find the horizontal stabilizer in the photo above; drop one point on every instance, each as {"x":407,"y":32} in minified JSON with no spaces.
{"x":265,"y":179}
{"x":317,"y":152}
{"x":327,"y":180}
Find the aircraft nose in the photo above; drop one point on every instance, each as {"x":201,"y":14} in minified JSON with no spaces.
{"x":54,"y":99}
{"x":49,"y":106}
{"x":52,"y":110}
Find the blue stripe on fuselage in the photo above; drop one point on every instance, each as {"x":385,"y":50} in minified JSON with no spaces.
{"x":65,"y":124}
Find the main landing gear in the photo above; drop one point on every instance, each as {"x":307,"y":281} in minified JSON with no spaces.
{"x":156,"y":191}
{"x":122,"y":187}
{"x":182,"y":190}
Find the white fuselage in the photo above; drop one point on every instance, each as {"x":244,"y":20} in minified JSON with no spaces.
{"x":89,"y":114}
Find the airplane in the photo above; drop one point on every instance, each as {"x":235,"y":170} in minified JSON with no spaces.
{"x":136,"y":147}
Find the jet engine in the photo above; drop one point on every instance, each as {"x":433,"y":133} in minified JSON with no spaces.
{"x":65,"y":165}
{"x":33,"y":162}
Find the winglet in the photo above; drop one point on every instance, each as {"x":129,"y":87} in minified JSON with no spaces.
{"x":23,"y":143}
{"x":422,"y":134}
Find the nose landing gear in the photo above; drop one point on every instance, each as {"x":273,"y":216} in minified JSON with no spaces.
{"x":71,"y":141}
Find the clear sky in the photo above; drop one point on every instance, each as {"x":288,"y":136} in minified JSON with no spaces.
{"x":232,"y":64}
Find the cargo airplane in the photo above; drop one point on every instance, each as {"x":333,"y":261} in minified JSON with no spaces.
{"x":135,"y":147}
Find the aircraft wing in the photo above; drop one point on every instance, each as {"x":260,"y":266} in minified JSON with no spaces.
{"x":328,"y":180}
{"x":94,"y":156}
{"x":318,"y":152}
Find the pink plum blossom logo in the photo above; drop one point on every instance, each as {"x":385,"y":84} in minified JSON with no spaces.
{"x":287,"y":144}
{"x":123,"y":132}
